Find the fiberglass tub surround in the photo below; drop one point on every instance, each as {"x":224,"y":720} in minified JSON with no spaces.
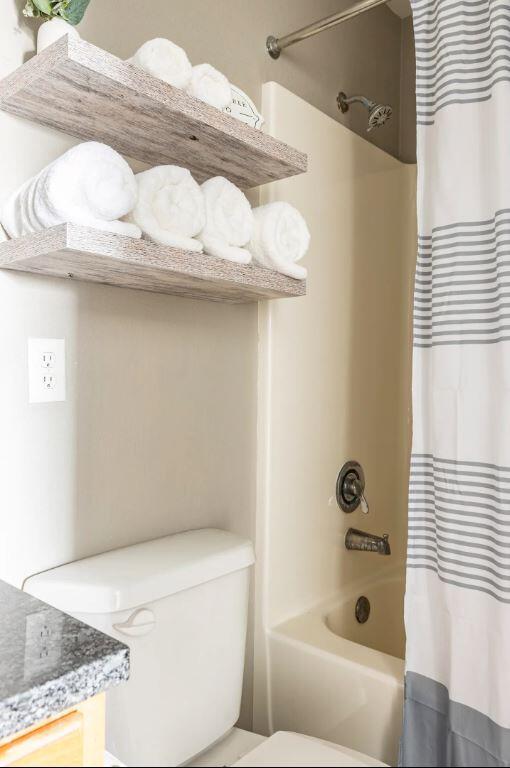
{"x":340,"y":680}
{"x":383,"y":630}
{"x":341,"y":360}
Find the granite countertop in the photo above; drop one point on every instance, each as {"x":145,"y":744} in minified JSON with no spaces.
{"x":50,"y":661}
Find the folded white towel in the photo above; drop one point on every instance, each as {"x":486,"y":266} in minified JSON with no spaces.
{"x":210,"y":85}
{"x":280,"y":238}
{"x":90,"y":184}
{"x":164,"y":60}
{"x":170,"y":208}
{"x":228,"y":221}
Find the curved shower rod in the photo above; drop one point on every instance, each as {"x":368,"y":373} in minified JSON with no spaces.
{"x":275,"y":45}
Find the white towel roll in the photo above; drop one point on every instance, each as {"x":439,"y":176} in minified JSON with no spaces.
{"x":90,"y":184}
{"x":280,"y":239}
{"x":164,"y":60}
{"x":170,"y":208}
{"x":229,"y":221}
{"x":11,"y":215}
{"x":210,"y":85}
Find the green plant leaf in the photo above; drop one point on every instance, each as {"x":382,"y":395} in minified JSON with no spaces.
{"x":37,"y":8}
{"x":74,"y":11}
{"x":43,"y":6}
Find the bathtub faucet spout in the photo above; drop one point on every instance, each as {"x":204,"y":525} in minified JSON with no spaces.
{"x":367,"y":542}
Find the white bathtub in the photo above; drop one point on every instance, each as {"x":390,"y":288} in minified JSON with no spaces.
{"x":339,"y":680}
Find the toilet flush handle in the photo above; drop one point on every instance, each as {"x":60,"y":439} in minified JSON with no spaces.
{"x":141,"y":622}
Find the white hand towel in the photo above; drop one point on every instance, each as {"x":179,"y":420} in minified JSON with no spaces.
{"x":164,"y":60}
{"x":90,"y":184}
{"x":229,"y":221}
{"x":280,"y":239}
{"x":210,"y":85}
{"x":170,"y":208}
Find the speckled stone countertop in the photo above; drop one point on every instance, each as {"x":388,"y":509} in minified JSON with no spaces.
{"x":50,"y":661}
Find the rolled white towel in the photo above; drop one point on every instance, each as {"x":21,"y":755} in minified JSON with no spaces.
{"x":164,"y":60}
{"x":90,"y":184}
{"x":210,"y":85}
{"x":280,"y":238}
{"x":170,"y":208}
{"x":11,"y":214}
{"x":228,"y":221}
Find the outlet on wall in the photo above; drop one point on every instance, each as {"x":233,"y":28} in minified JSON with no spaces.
{"x":46,"y":370}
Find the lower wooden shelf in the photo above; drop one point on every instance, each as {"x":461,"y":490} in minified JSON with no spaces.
{"x":81,"y":253}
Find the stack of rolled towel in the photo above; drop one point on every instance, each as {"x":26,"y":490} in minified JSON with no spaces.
{"x":280,"y":239}
{"x":170,"y":207}
{"x":92,"y":185}
{"x":167,"y":61}
{"x":229,"y":221}
{"x":216,"y":217}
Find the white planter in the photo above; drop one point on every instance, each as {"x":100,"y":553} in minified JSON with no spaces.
{"x":52,"y":30}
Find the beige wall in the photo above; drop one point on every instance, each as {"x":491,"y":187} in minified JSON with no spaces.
{"x":158,"y":433}
{"x":407,"y":149}
{"x":334,"y":371}
{"x":159,"y":429}
{"x":360,"y":56}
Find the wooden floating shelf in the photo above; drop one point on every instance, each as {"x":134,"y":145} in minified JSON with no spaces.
{"x":92,"y":255}
{"x":91,"y":94}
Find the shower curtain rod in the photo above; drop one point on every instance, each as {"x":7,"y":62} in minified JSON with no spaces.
{"x":275,"y":45}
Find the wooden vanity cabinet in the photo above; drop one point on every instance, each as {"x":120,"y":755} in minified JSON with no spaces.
{"x":75,"y":737}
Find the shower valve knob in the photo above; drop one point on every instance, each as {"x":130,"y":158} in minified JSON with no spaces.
{"x":350,"y":488}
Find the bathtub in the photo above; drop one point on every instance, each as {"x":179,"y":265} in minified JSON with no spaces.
{"x":339,"y":680}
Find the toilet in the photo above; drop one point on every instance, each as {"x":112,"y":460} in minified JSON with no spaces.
{"x":181,"y":604}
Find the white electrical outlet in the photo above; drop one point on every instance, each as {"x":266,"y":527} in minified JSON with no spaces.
{"x":46,"y":370}
{"x":48,"y":359}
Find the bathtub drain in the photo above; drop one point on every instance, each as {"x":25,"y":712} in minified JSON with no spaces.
{"x":362,"y":610}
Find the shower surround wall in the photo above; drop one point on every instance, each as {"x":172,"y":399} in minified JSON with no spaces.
{"x":334,"y":377}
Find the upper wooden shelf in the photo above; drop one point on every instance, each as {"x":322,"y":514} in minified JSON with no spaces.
{"x":91,"y":94}
{"x":82,"y":253}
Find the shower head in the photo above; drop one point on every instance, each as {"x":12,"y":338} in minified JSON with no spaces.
{"x":378,"y":114}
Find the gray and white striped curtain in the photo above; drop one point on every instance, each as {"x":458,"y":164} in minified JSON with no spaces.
{"x":457,"y":699}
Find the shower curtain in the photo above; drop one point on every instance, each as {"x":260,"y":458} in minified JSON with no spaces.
{"x":457,"y":687}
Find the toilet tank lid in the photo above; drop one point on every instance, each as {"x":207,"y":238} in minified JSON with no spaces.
{"x":132,"y":576}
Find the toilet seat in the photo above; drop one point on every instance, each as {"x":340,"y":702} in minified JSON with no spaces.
{"x":294,"y":750}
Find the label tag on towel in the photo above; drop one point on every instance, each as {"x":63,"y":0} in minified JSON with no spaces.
{"x":243,"y":108}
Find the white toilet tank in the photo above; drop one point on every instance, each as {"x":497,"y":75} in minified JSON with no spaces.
{"x":181,"y":604}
